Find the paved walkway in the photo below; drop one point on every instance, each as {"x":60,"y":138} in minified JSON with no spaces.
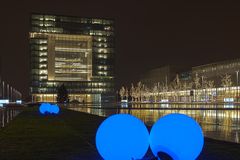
{"x":71,"y":136}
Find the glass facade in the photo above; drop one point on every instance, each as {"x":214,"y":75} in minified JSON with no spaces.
{"x":215,"y":71}
{"x":74,"y":51}
{"x":210,"y":83}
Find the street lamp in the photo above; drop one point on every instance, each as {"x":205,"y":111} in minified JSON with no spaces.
{"x":204,"y":90}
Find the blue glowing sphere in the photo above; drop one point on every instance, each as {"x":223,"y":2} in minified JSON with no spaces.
{"x":44,"y":107}
{"x":178,"y":135}
{"x":48,"y":108}
{"x":122,"y":137}
{"x":55,"y":109}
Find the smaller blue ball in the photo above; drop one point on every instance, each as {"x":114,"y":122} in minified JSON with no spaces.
{"x":46,"y":108}
{"x":55,"y":109}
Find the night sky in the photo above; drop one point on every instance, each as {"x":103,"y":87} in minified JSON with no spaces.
{"x":148,"y":34}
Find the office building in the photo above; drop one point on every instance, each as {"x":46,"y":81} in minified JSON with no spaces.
{"x":75,"y":51}
{"x":216,"y":71}
{"x":214,"y":82}
{"x":164,"y":75}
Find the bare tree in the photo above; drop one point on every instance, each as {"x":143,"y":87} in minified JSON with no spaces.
{"x":204,"y":82}
{"x":126,"y":93}
{"x":155,"y":91}
{"x":196,"y":82}
{"x":210,"y":84}
{"x":226,"y":80}
{"x":139,"y":89}
{"x":146,"y":93}
{"x":122,"y":92}
{"x":190,"y":85}
{"x":176,"y":84}
{"x":163,"y":88}
{"x":132,"y":93}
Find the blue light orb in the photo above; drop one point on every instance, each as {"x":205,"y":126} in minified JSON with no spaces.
{"x":50,"y":109}
{"x":122,"y":137}
{"x":178,"y":135}
{"x":54,"y":109}
{"x":44,"y":107}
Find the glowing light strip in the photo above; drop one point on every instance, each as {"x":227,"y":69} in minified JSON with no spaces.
{"x":71,"y":49}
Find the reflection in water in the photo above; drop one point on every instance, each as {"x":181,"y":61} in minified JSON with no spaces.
{"x":217,"y":121}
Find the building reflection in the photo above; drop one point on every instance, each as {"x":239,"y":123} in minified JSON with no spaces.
{"x":218,"y":122}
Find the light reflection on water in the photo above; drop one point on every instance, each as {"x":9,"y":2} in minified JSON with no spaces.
{"x":217,"y":121}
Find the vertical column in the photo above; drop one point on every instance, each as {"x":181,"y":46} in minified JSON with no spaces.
{"x":3,"y":88}
{"x":7,"y":91}
{"x":11,"y":91}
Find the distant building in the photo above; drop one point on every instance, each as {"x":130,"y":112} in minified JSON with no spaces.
{"x":214,"y":71}
{"x":213,"y":83}
{"x":163,"y":75}
{"x":75,"y":51}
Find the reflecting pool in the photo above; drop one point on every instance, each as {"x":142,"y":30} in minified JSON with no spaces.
{"x":217,"y":121}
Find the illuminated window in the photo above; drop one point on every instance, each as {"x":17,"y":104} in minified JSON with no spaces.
{"x":84,"y":20}
{"x":102,"y":56}
{"x":42,"y":48}
{"x":37,"y":17}
{"x":108,"y":28}
{"x":102,"y":50}
{"x":100,"y":44}
{"x":43,"y":72}
{"x":96,"y":21}
{"x":98,"y":32}
{"x":102,"y":67}
{"x":102,"y":73}
{"x":43,"y":77}
{"x":50,"y":18}
{"x":43,"y":54}
{"x":107,"y":22}
{"x":100,"y":39}
{"x":42,"y":65}
{"x":42,"y":59}
{"x":41,"y":41}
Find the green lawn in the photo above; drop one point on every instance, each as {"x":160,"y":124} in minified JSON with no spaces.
{"x":71,"y":136}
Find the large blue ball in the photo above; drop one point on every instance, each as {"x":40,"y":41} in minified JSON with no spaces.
{"x":122,"y":137}
{"x":178,"y":135}
{"x":44,"y":108}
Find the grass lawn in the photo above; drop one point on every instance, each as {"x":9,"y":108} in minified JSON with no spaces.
{"x":71,"y":136}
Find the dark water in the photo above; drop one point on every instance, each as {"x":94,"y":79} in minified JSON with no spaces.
{"x":217,"y":121}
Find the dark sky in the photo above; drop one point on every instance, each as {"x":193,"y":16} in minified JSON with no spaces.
{"x":149,"y":33}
